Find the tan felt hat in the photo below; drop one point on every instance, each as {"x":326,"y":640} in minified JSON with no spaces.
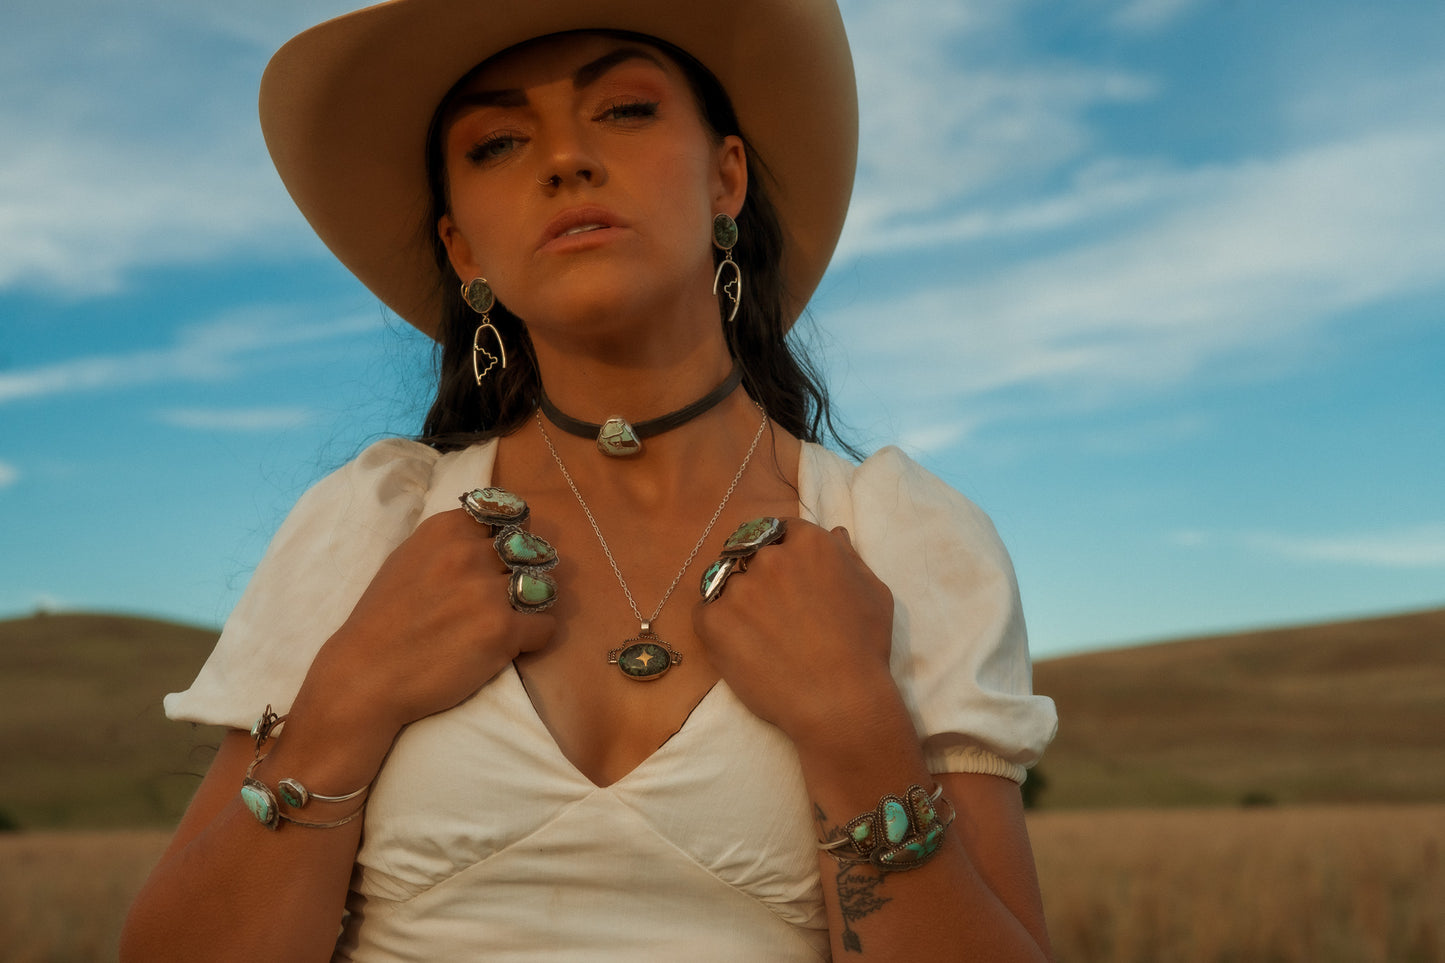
{"x":345,"y":108}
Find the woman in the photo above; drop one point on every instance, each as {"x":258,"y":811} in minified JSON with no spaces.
{"x":829,"y":684}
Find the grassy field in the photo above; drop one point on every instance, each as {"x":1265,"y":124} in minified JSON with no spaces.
{"x":83,"y":742}
{"x":1349,"y":712}
{"x":1346,"y":712}
{"x":1262,"y":885}
{"x":1340,"y":725}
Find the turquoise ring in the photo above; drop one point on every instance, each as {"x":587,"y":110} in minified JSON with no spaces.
{"x":528,"y":557}
{"x":495,"y":508}
{"x":745,"y":542}
{"x":716,"y":576}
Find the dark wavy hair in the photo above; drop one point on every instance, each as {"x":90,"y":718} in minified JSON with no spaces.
{"x":775,"y":374}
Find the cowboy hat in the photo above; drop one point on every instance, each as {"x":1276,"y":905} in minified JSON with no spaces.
{"x":345,"y":108}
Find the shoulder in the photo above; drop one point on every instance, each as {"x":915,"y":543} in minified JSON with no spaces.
{"x":890,"y":490}
{"x":318,"y":564}
{"x":960,"y":648}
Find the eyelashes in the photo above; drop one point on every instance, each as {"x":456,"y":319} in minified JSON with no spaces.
{"x":626,"y":113}
{"x":629,"y":110}
{"x":493,"y":146}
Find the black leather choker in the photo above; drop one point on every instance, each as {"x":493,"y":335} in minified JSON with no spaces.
{"x":618,"y":438}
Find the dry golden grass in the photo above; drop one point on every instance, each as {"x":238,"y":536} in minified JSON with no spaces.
{"x":1342,"y":713}
{"x":82,"y":736}
{"x":1322,"y":885}
{"x":1295,"y":885}
{"x":64,"y":896}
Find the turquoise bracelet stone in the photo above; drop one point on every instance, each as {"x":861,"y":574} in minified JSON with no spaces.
{"x":261,"y":802}
{"x":900,"y":833}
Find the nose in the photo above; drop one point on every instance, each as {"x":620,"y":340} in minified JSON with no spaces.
{"x":570,"y":160}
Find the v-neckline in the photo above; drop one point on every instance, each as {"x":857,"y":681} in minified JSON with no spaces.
{"x":556,"y":747}
{"x":483,"y":470}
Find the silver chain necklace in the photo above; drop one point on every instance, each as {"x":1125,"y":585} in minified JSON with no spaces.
{"x":646,"y":656}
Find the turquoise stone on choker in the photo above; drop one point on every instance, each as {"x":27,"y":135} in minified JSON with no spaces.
{"x":618,"y":439}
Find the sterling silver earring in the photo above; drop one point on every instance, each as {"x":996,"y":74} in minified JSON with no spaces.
{"x":479,"y":297}
{"x":724,"y":237}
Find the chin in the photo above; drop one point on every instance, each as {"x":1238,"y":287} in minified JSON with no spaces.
{"x":600,"y":310}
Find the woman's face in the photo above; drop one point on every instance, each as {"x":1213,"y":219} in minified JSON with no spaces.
{"x":583,"y":183}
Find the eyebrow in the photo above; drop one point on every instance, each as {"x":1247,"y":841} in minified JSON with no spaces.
{"x":583,"y":77}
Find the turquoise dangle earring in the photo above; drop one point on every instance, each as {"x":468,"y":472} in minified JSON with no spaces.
{"x":478,"y":295}
{"x":724,"y":237}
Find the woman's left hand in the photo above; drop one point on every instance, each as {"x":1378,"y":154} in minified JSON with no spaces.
{"x":803,"y":636}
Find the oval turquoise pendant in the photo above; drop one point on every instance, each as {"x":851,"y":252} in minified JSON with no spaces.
{"x":645,"y":658}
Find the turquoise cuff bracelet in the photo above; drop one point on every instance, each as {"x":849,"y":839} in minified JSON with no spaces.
{"x":262,"y":802}
{"x":899,"y":834}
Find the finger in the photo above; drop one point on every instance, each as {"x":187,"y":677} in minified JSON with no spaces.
{"x":536,"y":633}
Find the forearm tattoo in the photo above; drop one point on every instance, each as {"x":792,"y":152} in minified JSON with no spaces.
{"x":857,"y":887}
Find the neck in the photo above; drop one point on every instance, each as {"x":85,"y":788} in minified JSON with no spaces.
{"x":671,"y":465}
{"x":637,"y":388}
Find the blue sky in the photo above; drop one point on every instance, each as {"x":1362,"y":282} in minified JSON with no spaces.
{"x":1158,"y":283}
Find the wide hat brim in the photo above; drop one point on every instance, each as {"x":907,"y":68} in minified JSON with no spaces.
{"x":345,"y":108}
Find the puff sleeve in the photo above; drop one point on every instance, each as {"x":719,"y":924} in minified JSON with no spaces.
{"x":321,"y":560}
{"x":960,"y":651}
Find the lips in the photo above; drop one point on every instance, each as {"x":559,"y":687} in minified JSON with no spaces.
{"x":579,"y":221}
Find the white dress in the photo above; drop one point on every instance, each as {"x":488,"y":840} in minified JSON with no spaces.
{"x":482,"y":841}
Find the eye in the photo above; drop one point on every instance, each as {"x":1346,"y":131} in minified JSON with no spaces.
{"x":493,"y":146}
{"x":629,"y":110}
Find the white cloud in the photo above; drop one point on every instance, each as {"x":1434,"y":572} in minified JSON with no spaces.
{"x":236,"y":419}
{"x":9,"y":474}
{"x":210,"y":351}
{"x":130,"y":142}
{"x":927,"y":439}
{"x":1419,"y":547}
{"x":951,"y":107}
{"x":1143,"y":15}
{"x":1213,"y":264}
{"x":74,"y":224}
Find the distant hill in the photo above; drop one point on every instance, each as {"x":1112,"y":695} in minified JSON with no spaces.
{"x":83,"y":741}
{"x":1342,"y":712}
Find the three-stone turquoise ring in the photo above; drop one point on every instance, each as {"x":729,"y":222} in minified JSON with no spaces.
{"x":495,"y":508}
{"x":745,"y":542}
{"x":527,"y":556}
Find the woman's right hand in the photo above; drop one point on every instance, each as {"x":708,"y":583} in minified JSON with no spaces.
{"x":431,"y":629}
